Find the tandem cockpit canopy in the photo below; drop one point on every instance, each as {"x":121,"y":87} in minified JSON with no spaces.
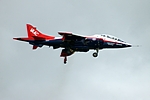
{"x":112,"y":37}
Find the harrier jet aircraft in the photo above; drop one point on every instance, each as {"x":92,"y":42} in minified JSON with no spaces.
{"x":71,"y":42}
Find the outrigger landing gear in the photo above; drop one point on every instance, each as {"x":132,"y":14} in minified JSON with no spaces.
{"x":95,"y":54}
{"x":65,"y":60}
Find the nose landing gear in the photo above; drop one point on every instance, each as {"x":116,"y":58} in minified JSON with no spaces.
{"x":95,"y":54}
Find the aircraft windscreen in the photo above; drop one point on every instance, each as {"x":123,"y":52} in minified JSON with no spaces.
{"x":112,"y":37}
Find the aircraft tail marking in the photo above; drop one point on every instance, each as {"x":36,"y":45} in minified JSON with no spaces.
{"x":37,"y":35}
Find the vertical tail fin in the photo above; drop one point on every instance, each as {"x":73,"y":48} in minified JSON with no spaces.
{"x":34,"y":33}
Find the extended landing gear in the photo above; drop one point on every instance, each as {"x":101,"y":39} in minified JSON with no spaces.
{"x":65,"y":60}
{"x":95,"y":54}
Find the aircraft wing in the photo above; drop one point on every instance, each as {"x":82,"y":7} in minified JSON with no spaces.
{"x":70,"y":36}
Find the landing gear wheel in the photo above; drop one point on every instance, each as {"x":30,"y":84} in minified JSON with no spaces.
{"x":65,"y":60}
{"x":95,"y":54}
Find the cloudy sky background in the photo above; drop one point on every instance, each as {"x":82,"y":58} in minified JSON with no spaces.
{"x":122,"y":74}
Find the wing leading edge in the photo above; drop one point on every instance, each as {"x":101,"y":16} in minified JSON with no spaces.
{"x":71,"y":36}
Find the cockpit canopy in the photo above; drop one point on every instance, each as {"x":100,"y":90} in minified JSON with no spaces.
{"x":112,"y":37}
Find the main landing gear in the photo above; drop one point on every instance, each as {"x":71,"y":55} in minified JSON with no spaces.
{"x":95,"y":54}
{"x":65,"y":60}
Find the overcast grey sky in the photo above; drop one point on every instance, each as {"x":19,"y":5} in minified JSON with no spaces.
{"x":122,"y":74}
